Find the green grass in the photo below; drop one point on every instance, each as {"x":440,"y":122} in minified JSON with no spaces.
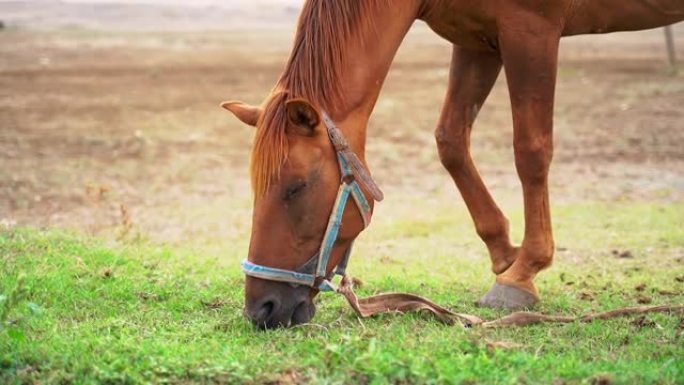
{"x":128,"y":313}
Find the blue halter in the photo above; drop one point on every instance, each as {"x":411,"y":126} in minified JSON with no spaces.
{"x":351,"y":169}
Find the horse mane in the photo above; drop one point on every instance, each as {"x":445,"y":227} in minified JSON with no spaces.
{"x":313,"y":72}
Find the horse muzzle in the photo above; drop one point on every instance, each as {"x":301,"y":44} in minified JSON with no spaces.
{"x":270,"y":304}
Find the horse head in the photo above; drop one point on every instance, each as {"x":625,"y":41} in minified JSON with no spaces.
{"x":303,"y":174}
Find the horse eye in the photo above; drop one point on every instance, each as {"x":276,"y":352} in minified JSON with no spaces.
{"x":293,"y":190}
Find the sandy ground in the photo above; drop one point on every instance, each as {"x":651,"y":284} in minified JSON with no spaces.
{"x":116,"y":129}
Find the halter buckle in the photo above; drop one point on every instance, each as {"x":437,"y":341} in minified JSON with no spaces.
{"x":348,"y":179}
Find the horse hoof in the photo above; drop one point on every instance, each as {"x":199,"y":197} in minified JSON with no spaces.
{"x":508,"y":297}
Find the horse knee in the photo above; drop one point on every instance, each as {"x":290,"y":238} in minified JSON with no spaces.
{"x":452,"y":148}
{"x":533,"y":159}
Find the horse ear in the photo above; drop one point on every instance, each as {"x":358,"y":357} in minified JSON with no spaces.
{"x":303,"y":116}
{"x":246,"y":113}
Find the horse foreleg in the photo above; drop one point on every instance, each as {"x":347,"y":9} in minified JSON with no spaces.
{"x":471,"y":79}
{"x":529,"y":52}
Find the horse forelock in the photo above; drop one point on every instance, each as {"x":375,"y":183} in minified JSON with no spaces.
{"x":270,"y":147}
{"x":313,"y":72}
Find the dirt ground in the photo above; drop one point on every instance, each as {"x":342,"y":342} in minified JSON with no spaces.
{"x":119,"y":132}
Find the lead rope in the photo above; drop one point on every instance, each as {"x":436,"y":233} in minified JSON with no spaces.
{"x":403,"y":303}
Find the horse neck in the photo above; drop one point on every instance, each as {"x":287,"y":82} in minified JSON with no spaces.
{"x":368,"y":60}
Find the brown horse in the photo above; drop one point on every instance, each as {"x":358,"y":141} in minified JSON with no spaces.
{"x":342,"y":52}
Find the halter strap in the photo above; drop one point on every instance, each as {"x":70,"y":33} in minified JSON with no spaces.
{"x":341,"y":145}
{"x":351,"y":169}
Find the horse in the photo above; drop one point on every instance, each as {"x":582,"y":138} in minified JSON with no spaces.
{"x":308,"y":156}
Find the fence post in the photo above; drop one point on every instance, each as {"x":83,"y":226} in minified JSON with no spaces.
{"x":671,"y":55}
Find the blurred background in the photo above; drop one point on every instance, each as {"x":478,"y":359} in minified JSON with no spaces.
{"x":110,"y":125}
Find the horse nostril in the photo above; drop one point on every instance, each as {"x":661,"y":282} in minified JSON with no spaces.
{"x":260,"y":315}
{"x":303,"y":313}
{"x":266,"y":310}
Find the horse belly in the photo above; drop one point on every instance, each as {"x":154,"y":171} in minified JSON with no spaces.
{"x":603,"y":16}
